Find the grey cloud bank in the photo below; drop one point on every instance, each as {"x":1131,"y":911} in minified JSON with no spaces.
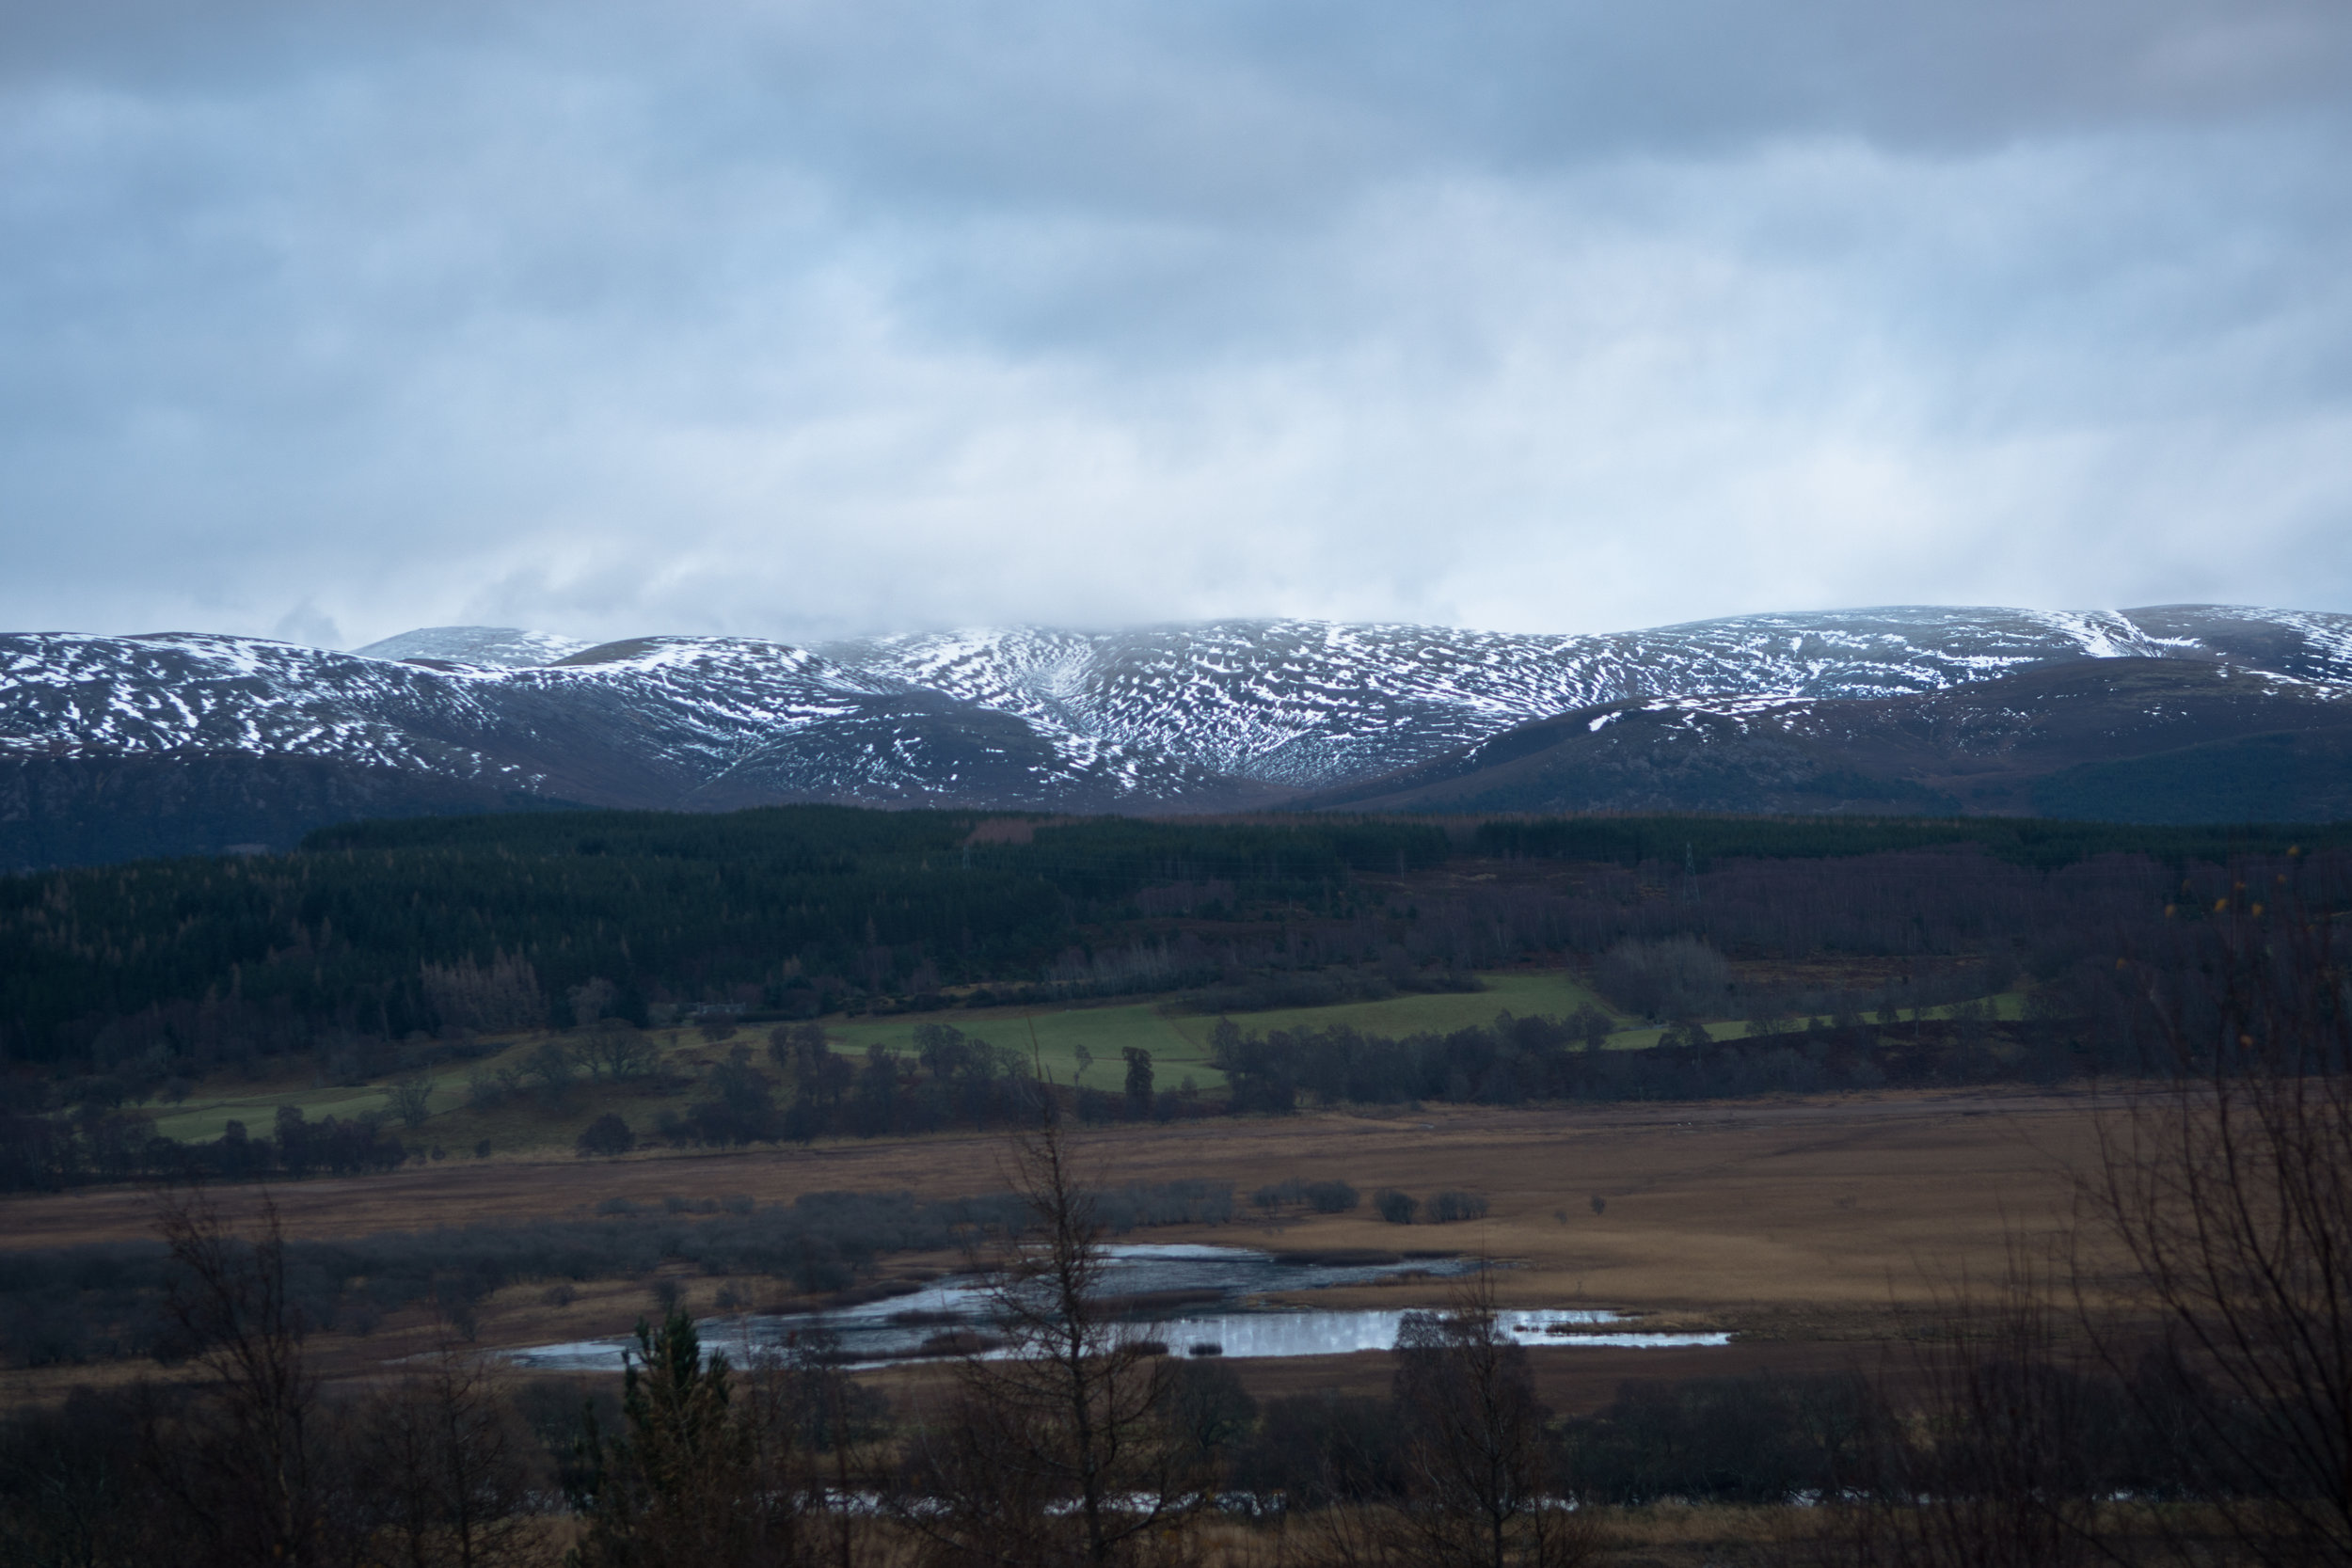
{"x":813,"y":320}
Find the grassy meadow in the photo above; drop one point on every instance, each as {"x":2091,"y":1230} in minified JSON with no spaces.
{"x":1179,"y":1044}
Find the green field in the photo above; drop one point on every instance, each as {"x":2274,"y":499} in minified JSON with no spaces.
{"x":1179,"y":1043}
{"x":1179,"y":1047}
{"x":206,"y":1114}
{"x":204,"y":1118}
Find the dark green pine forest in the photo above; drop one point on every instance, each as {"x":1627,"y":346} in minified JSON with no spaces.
{"x":380,"y":931}
{"x":389,"y":927}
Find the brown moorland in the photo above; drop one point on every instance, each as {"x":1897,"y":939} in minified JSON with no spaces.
{"x":1800,"y":1224}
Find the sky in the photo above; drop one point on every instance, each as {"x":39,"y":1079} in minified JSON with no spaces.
{"x":323,"y":321}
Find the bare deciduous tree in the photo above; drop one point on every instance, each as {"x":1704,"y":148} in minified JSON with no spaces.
{"x":249,"y":1468}
{"x":618,"y":1049}
{"x":1993,"y":1454}
{"x":2207,"y":1358}
{"x":1061,"y":1450}
{"x":411,"y":1099}
{"x":1477,"y":1487}
{"x":440,"y":1471}
{"x":2225,"y":1183}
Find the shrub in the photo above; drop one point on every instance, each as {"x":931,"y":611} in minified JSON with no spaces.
{"x":1449,"y":1207}
{"x":1274,"y":1195}
{"x":487,"y":1091}
{"x":1331,"y":1197}
{"x":1319,"y":1448}
{"x":1395,"y":1206}
{"x":555,"y":1069}
{"x":1753,"y":1439}
{"x":606,"y":1137}
{"x":1208,"y":1407}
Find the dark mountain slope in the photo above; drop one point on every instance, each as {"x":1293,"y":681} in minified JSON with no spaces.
{"x":84,"y":811}
{"x":2137,"y":739}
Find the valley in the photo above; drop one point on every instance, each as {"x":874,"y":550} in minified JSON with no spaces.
{"x":1733,"y":1136}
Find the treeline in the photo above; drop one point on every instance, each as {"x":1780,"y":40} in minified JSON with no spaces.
{"x":1942,"y":1030}
{"x":43,"y":1153}
{"x":2073,"y":1009}
{"x":1515,"y":1061}
{"x":380,"y":939}
{"x":806,"y":1090}
{"x":389,"y":929}
{"x":1703,"y":841}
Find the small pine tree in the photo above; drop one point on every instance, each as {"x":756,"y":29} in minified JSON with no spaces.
{"x":692,"y":1480}
{"x":1138,"y":1083}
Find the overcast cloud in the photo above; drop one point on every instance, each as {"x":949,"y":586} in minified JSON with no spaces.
{"x":806,"y":319}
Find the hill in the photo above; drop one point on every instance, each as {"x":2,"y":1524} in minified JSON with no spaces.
{"x":2121,"y":740}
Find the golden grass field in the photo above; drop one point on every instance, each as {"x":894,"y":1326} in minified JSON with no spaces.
{"x":1804,"y":1225}
{"x":1800,"y":1224}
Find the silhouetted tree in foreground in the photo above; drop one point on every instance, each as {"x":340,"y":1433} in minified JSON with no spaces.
{"x":248,"y":1467}
{"x":1065,"y":1449}
{"x":1995,"y":1452}
{"x":2178,"y":1383}
{"x":1475,"y":1481}
{"x":2226,"y":1185}
{"x":247,"y":1461}
{"x":443,"y":1470}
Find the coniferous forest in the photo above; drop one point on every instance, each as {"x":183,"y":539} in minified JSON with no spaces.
{"x":383,"y":930}
{"x":389,"y":948}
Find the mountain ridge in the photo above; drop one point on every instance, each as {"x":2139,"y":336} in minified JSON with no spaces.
{"x":1221,"y":715}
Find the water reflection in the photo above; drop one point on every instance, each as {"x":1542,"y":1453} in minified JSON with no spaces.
{"x":1315,"y":1332}
{"x":1191,"y":1298}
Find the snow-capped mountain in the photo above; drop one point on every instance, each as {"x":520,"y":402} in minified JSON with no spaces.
{"x":652,"y":721}
{"x":1206,"y":717}
{"x":1315,"y":704}
{"x":507,"y":646}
